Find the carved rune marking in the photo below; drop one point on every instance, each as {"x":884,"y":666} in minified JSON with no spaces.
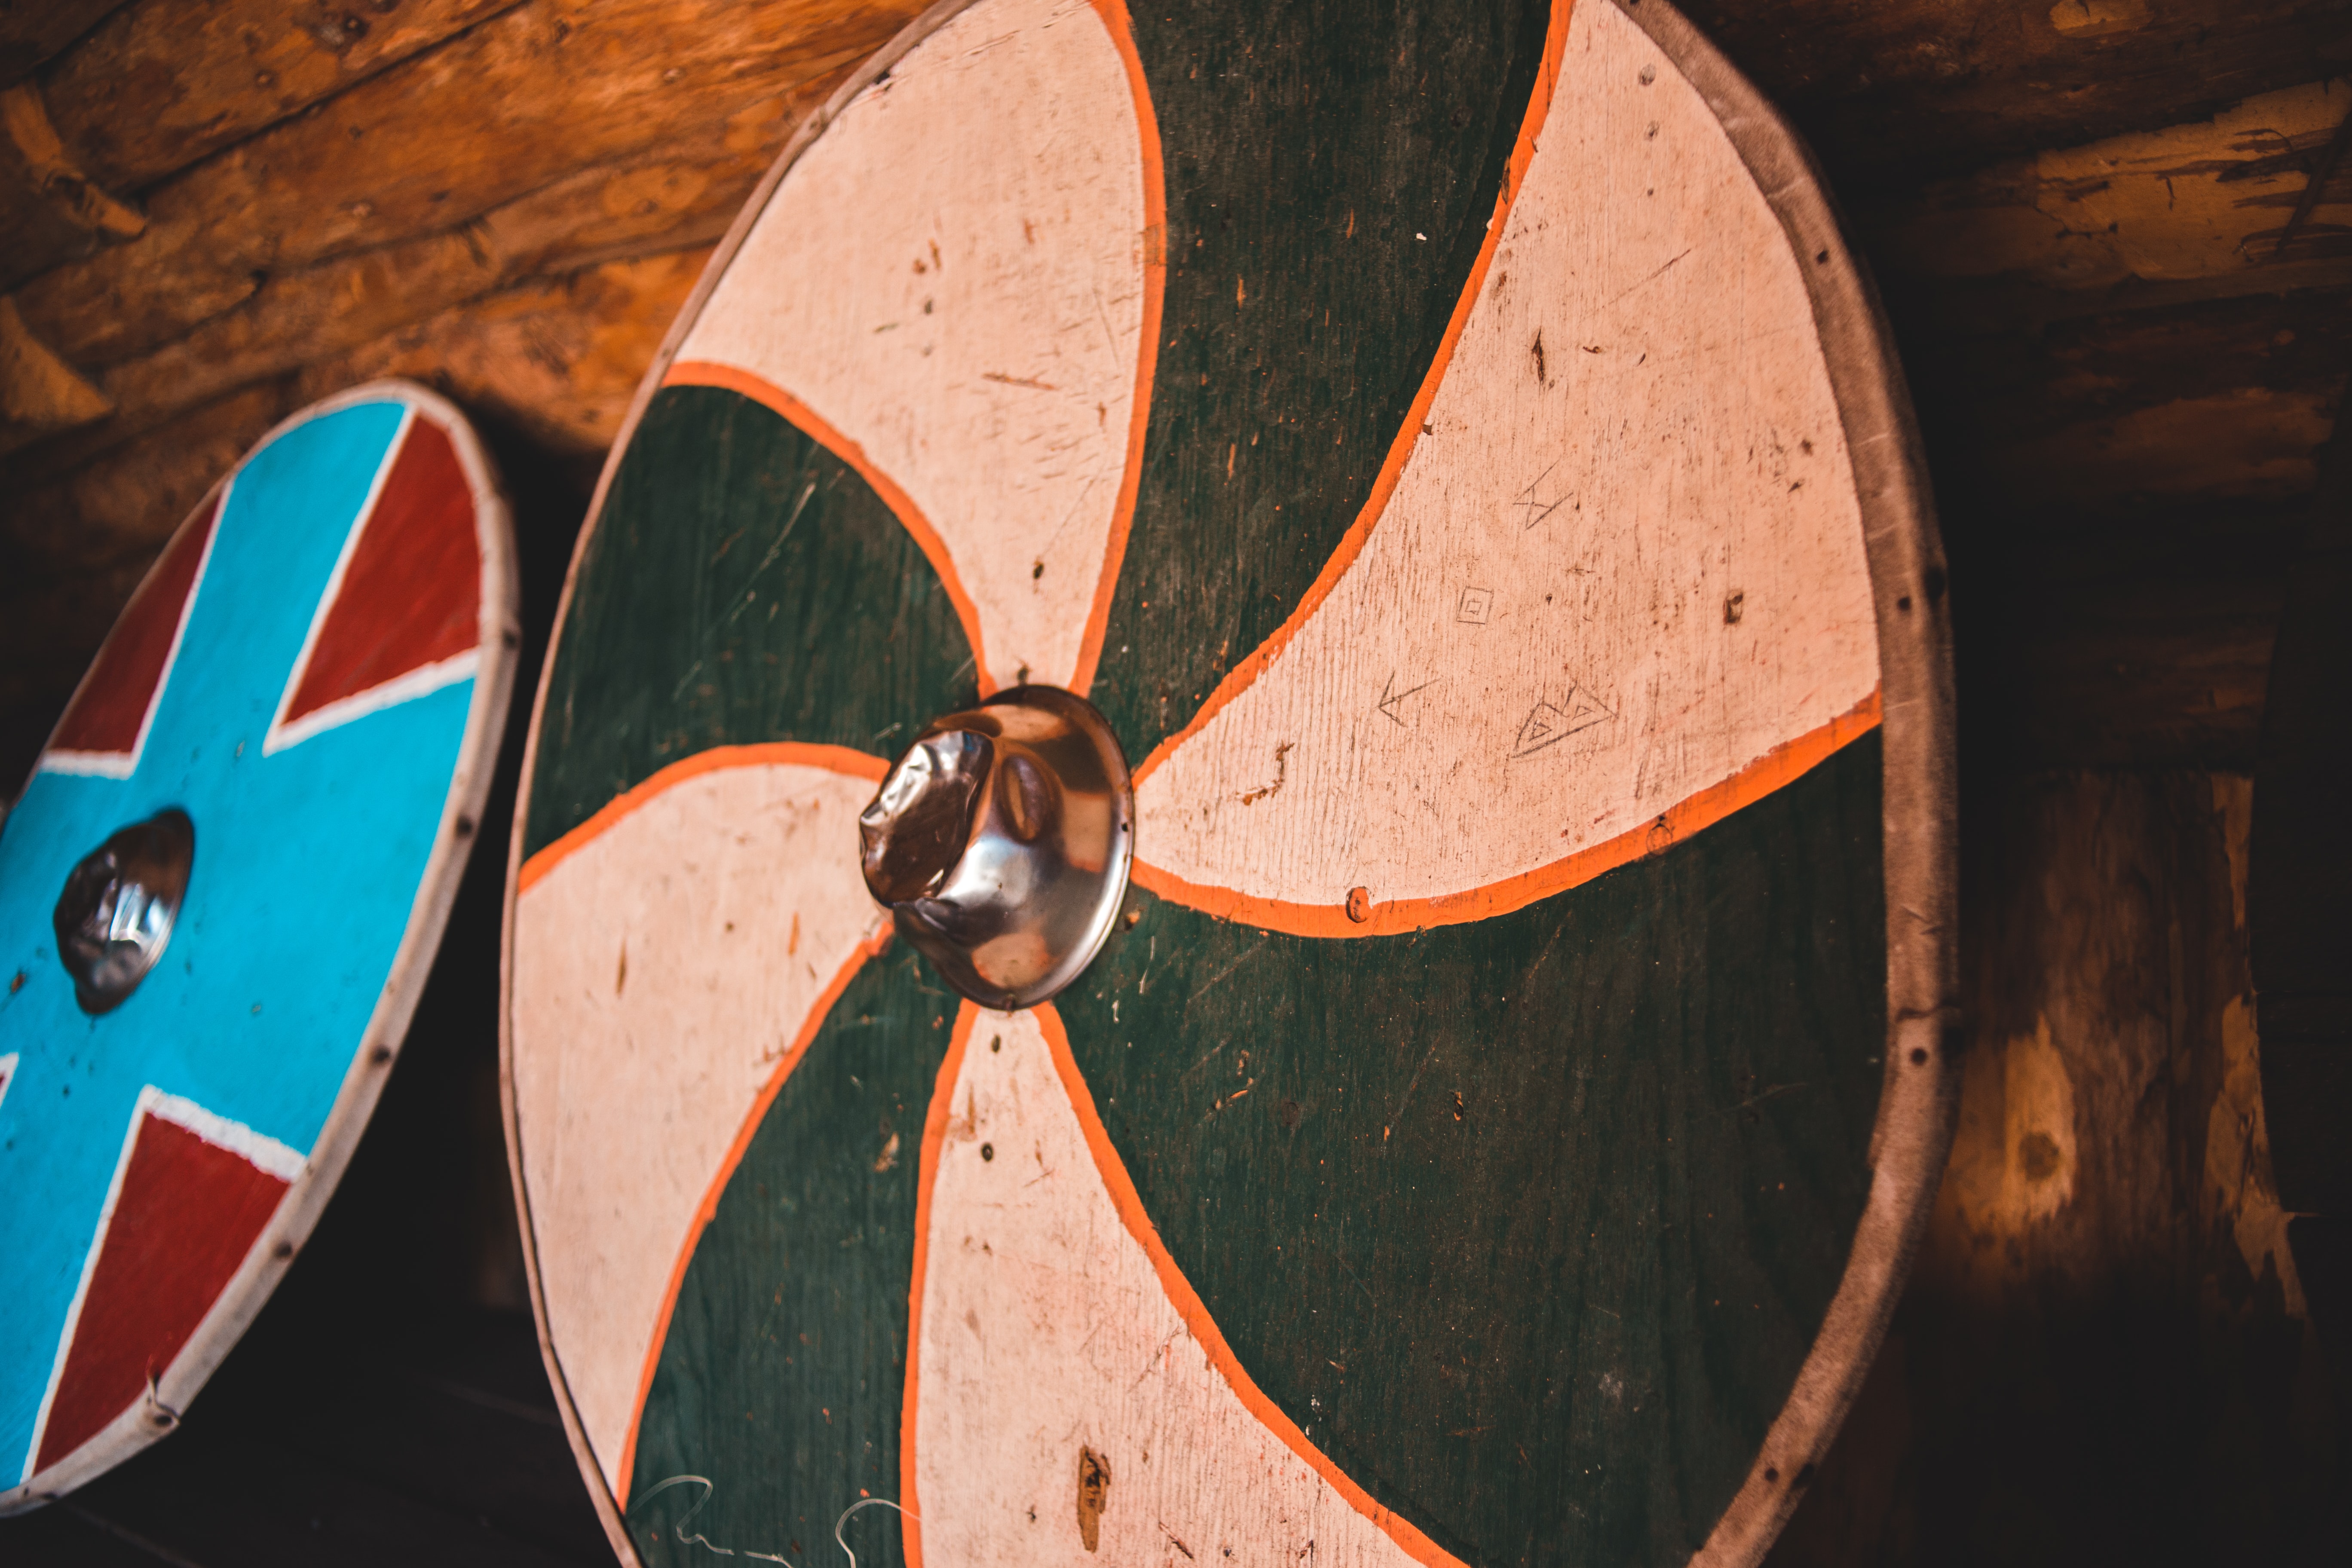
{"x":1534,"y":509}
{"x":1390,"y":696}
{"x":1474,"y":605}
{"x":1546,"y":725}
{"x":1281,"y":775}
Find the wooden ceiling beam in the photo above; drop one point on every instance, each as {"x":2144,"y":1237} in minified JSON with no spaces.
{"x":164,"y":83}
{"x":30,"y":34}
{"x":1895,"y":95}
{"x":158,"y":85}
{"x":526,"y":99}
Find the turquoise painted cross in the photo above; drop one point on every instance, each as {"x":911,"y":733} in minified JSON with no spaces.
{"x":308,"y":864}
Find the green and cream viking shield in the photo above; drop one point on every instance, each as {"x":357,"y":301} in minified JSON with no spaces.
{"x":1453,"y":446}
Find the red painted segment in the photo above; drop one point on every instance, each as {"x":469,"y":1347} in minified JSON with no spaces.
{"x":187,"y":1214}
{"x":111,"y":707}
{"x":412,"y":592}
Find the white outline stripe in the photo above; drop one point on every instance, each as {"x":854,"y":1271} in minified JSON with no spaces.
{"x":8,"y":1074}
{"x":122,"y":765}
{"x":280,"y":735}
{"x":91,"y":765}
{"x":265,"y":1153}
{"x":400,"y":688}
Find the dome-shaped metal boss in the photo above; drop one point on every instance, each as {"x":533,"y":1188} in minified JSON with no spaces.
{"x":119,"y":903}
{"x":1001,"y":843}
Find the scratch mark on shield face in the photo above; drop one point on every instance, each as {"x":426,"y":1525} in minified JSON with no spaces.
{"x":1397,"y":1115}
{"x":853,"y":1507}
{"x":1214,"y":979}
{"x":1648,"y":280}
{"x":697,"y":1538}
{"x":1281,"y":775}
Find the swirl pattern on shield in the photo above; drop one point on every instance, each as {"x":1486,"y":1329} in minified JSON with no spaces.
{"x":1409,"y":425}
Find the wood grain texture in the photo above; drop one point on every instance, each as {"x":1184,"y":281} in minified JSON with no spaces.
{"x":2106,"y":1346}
{"x":117,"y":512}
{"x":2129,"y":384}
{"x":1911,"y":94}
{"x":51,"y":209}
{"x":540,"y":92}
{"x":2210,"y":198}
{"x":671,"y":199}
{"x":559,"y":358}
{"x":39,"y":393}
{"x":1895,"y":98}
{"x":2118,"y":585}
{"x":31,"y":31}
{"x":159,"y":86}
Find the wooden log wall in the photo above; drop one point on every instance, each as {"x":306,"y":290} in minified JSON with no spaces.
{"x":2114,"y":237}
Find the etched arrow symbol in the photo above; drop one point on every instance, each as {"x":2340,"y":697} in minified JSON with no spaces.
{"x":1390,"y":696}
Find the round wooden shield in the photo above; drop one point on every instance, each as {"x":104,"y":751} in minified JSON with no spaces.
{"x":314,"y":677}
{"x":1452,"y":446}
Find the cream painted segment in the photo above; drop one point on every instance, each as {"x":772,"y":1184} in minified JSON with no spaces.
{"x":1045,"y":1331}
{"x":661,"y":972}
{"x":1612,"y":574}
{"x":953,"y":277}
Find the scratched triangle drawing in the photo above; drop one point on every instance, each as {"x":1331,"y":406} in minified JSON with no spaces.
{"x":1546,"y":725}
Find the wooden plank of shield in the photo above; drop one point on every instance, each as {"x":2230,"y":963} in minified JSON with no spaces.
{"x":220,"y":894}
{"x":1456,"y":451}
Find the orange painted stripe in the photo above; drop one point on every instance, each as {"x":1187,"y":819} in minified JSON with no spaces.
{"x":710,"y":1204}
{"x":760,"y":390}
{"x":833,"y":759}
{"x":1351,"y":545}
{"x":1155,"y":279}
{"x":935,"y":1131}
{"x":1195,"y":1313}
{"x":1780,"y":765}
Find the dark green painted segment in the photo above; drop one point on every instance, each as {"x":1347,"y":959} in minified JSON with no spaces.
{"x":781,"y":1376}
{"x":1307,"y":146}
{"x":1529,"y":1223}
{"x":742,"y":585}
